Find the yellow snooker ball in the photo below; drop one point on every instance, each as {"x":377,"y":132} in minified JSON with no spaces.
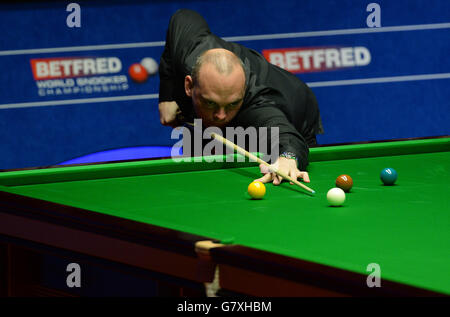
{"x":256,"y":190}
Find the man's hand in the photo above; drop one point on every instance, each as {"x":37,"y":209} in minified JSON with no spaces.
{"x":288,"y":166}
{"x":168,"y":111}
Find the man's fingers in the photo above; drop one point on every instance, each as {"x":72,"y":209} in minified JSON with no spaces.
{"x":168,"y":111}
{"x":174,"y":123}
{"x":277,"y":179}
{"x":304,"y":176}
{"x":293,"y":175}
{"x":167,"y":120}
{"x":296,"y":175}
{"x":264,"y":168}
{"x":265,"y":179}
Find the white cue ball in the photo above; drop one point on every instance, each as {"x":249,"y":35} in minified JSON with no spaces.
{"x":150,"y":65}
{"x":336,"y":196}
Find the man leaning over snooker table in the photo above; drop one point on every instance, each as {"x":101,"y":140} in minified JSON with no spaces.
{"x":228,"y":85}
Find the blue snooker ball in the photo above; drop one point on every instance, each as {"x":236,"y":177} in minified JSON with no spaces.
{"x":388,"y":176}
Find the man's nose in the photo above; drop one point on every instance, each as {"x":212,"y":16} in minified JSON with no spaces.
{"x":220,"y":114}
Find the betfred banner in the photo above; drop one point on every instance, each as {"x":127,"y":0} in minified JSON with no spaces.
{"x":66,"y":67}
{"x":318,"y":59}
{"x":67,"y":75}
{"x":79,"y":75}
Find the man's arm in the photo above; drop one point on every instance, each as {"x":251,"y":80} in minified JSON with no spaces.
{"x":290,"y":140}
{"x":185,"y":28}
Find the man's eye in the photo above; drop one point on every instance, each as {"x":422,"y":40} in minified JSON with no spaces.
{"x":233,"y":105}
{"x":211,"y":104}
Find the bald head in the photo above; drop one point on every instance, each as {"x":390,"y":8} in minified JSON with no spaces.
{"x":222,"y":61}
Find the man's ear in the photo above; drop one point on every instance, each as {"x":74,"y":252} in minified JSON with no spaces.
{"x":188,"y":85}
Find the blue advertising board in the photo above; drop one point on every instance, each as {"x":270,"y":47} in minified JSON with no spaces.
{"x":379,"y":69}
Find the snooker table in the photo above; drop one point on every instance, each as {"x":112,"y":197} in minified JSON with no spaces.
{"x":194,"y":222}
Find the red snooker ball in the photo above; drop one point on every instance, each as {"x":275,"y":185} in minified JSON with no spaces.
{"x":138,"y":73}
{"x":344,"y":182}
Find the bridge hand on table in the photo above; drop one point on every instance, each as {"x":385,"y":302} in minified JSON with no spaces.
{"x":288,"y":166}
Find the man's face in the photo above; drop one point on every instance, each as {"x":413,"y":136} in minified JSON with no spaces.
{"x":216,"y":98}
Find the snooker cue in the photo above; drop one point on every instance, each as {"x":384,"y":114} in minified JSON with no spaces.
{"x":257,"y":159}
